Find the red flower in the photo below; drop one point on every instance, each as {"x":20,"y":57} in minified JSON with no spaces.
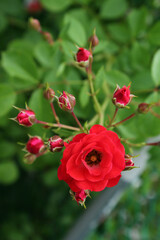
{"x":82,"y":57}
{"x":122,"y":96}
{"x":92,"y":161}
{"x":26,"y":118}
{"x":35,"y":145}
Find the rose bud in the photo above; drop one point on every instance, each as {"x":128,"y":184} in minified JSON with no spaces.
{"x":129,"y":164}
{"x":122,"y":96}
{"x":80,"y":196}
{"x":55,"y":144}
{"x":29,"y":158}
{"x":35,"y":24}
{"x":83,"y":56}
{"x":49,"y":94}
{"x":25,"y":117}
{"x":143,"y":108}
{"x":33,"y":6}
{"x":66,"y":102}
{"x":48,"y":37}
{"x":35,"y":145}
{"x":94,"y":40}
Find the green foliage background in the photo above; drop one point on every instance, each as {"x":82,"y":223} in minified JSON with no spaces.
{"x":34,"y":204}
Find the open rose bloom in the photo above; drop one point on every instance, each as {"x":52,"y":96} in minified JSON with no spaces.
{"x":92,"y":161}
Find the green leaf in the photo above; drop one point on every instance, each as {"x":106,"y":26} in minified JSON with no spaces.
{"x":114,"y":77}
{"x":155,"y":68}
{"x":41,"y":106}
{"x":3,"y":22}
{"x":119,"y":32}
{"x":100,"y":78}
{"x":8,"y":172}
{"x":56,"y":6}
{"x":76,"y":31}
{"x":154,"y":34}
{"x":84,"y":94}
{"x":20,"y":65}
{"x":113,"y":9}
{"x":43,"y":53}
{"x":142,"y":81}
{"x":7,"y":149}
{"x":137,"y":21}
{"x":7,"y":98}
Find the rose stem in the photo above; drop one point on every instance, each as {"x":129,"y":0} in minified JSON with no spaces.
{"x":154,"y":113}
{"x":133,"y":144}
{"x":93,"y":94}
{"x":140,"y":144}
{"x":118,"y":123}
{"x":58,"y":125}
{"x":113,"y":118}
{"x":54,"y":113}
{"x":78,"y":122}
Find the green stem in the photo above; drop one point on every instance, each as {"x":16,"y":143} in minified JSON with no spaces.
{"x":113,"y":118}
{"x":133,"y":144}
{"x":58,"y":125}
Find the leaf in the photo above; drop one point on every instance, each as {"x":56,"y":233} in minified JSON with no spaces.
{"x":142,"y":81}
{"x":100,"y":77}
{"x":119,"y":32}
{"x":137,"y":21}
{"x":56,"y":6}
{"x":76,"y":31}
{"x":3,"y":22}
{"x":113,"y":9}
{"x":43,"y":53}
{"x":41,"y":106}
{"x":84,"y":94}
{"x":154,"y":34}
{"x":114,"y":77}
{"x":7,"y":149}
{"x":155,"y":68}
{"x":7,"y":98}
{"x":20,"y":65}
{"x":8,"y":172}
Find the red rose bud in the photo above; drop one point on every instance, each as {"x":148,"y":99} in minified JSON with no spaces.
{"x":82,"y":57}
{"x":143,"y":108}
{"x":35,"y":145}
{"x":29,"y":158}
{"x":94,"y":40}
{"x":49,"y":94}
{"x":33,"y":6}
{"x":129,"y":164}
{"x":35,"y":24}
{"x":48,"y":37}
{"x":122,"y":96}
{"x":67,"y":102}
{"x":55,"y":144}
{"x":26,"y":118}
{"x":80,"y":196}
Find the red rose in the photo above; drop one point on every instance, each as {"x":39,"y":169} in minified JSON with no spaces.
{"x":122,"y":96}
{"x":26,"y":118}
{"x":92,"y":161}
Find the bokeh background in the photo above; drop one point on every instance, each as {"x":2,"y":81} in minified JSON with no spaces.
{"x":34,"y":205}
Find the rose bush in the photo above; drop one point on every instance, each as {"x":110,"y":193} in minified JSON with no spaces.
{"x":92,"y":161}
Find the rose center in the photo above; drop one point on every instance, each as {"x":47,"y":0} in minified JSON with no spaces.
{"x":93,"y":158}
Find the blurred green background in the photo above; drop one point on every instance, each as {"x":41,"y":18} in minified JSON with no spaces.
{"x":34,"y":205}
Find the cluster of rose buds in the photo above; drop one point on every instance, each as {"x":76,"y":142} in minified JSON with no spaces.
{"x":94,"y":158}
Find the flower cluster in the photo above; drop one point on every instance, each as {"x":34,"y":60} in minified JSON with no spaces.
{"x":94,"y":156}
